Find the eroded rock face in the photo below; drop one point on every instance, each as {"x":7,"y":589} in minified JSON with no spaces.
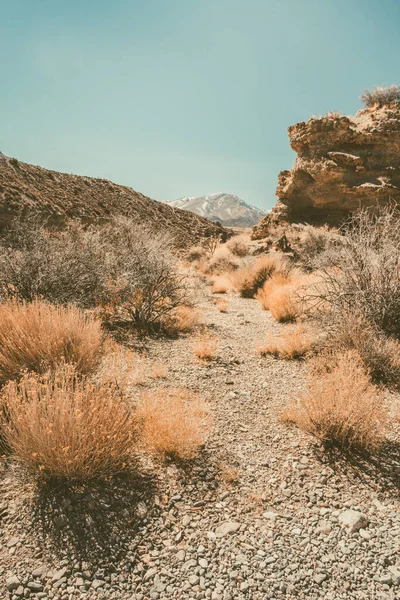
{"x":342,"y":164}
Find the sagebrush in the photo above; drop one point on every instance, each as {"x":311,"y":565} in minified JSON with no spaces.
{"x":37,"y":336}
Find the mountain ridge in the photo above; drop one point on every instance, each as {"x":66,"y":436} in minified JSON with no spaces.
{"x":60,"y":196}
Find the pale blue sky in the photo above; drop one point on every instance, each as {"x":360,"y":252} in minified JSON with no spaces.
{"x":184,"y":97}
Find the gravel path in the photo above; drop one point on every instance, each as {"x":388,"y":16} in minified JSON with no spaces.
{"x":262,"y":514}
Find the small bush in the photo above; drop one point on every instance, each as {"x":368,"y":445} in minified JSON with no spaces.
{"x":380,"y":353}
{"x":341,"y":407}
{"x":313,"y":244}
{"x":38,"y":336}
{"x":173,"y":422}
{"x":222,"y":261}
{"x":206,"y":347}
{"x":127,"y":270}
{"x":195,"y":253}
{"x":64,"y":428}
{"x":238,"y":246}
{"x":221,"y":285}
{"x":364,"y":272}
{"x":250,"y":279}
{"x":222,"y":305}
{"x":294,"y":342}
{"x":183,"y":319}
{"x":381,"y":96}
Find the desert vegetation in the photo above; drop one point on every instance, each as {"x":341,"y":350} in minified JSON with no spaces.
{"x":381,"y":96}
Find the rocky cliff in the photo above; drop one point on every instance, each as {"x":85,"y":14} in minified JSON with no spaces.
{"x":342,"y":163}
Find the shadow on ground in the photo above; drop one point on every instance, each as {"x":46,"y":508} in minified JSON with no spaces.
{"x":380,"y":471}
{"x":94,"y":522}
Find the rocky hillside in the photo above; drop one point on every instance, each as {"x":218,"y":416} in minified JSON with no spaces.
{"x":227,"y":209}
{"x":25,"y":187}
{"x":342,"y":163}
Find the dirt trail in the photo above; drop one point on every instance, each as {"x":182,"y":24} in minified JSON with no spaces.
{"x":273,"y":533}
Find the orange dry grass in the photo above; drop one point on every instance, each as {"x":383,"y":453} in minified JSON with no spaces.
{"x":290,"y":296}
{"x":284,"y":306}
{"x":221,"y":285}
{"x":238,"y":245}
{"x":294,"y":342}
{"x":62,"y":427}
{"x":341,"y":407}
{"x":222,"y":305}
{"x":249,"y":280}
{"x":38,"y":336}
{"x":173,"y":422}
{"x":182,"y":320}
{"x":206,"y":347}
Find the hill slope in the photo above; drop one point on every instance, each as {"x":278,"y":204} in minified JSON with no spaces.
{"x":227,"y":209}
{"x":25,"y":187}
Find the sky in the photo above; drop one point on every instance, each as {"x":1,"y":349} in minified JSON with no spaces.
{"x":184,"y":97}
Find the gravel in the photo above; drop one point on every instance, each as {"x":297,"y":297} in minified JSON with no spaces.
{"x":295,"y":522}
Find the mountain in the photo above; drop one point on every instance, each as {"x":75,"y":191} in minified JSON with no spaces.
{"x":59,"y":196}
{"x":227,"y":209}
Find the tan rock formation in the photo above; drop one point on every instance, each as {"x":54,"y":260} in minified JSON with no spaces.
{"x":342,"y":163}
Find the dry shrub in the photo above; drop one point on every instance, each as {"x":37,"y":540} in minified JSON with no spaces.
{"x":250,"y":279}
{"x":364,"y":271}
{"x":222,"y":261}
{"x":183,"y":319}
{"x":221,"y":285}
{"x":222,"y":305}
{"x":195,"y":253}
{"x":341,"y":407}
{"x":229,"y":474}
{"x":206,"y":347}
{"x":290,"y":296}
{"x":380,"y":353}
{"x":128,"y":270}
{"x":294,"y":342}
{"x":238,"y":246}
{"x":38,"y":336}
{"x":173,"y":422}
{"x":66,"y":428}
{"x":381,"y":96}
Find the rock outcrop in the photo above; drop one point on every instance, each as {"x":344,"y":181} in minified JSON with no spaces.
{"x":59,"y":196}
{"x":343,"y":163}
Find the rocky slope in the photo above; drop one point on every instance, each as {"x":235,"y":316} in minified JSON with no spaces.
{"x":342,"y":163}
{"x":227,"y":209}
{"x":25,"y":187}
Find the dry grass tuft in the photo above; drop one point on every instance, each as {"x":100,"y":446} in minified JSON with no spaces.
{"x":229,"y":474}
{"x":206,"y":347}
{"x":222,"y":305}
{"x":238,"y":246}
{"x":196,"y":253}
{"x":222,"y":261}
{"x":249,"y":280}
{"x":221,"y":285}
{"x":173,"y":422}
{"x":66,"y":428}
{"x":294,"y":342}
{"x":183,"y":319}
{"x":341,"y":407}
{"x":38,"y":336}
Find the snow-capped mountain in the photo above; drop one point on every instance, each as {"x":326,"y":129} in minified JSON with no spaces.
{"x":228,"y":209}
